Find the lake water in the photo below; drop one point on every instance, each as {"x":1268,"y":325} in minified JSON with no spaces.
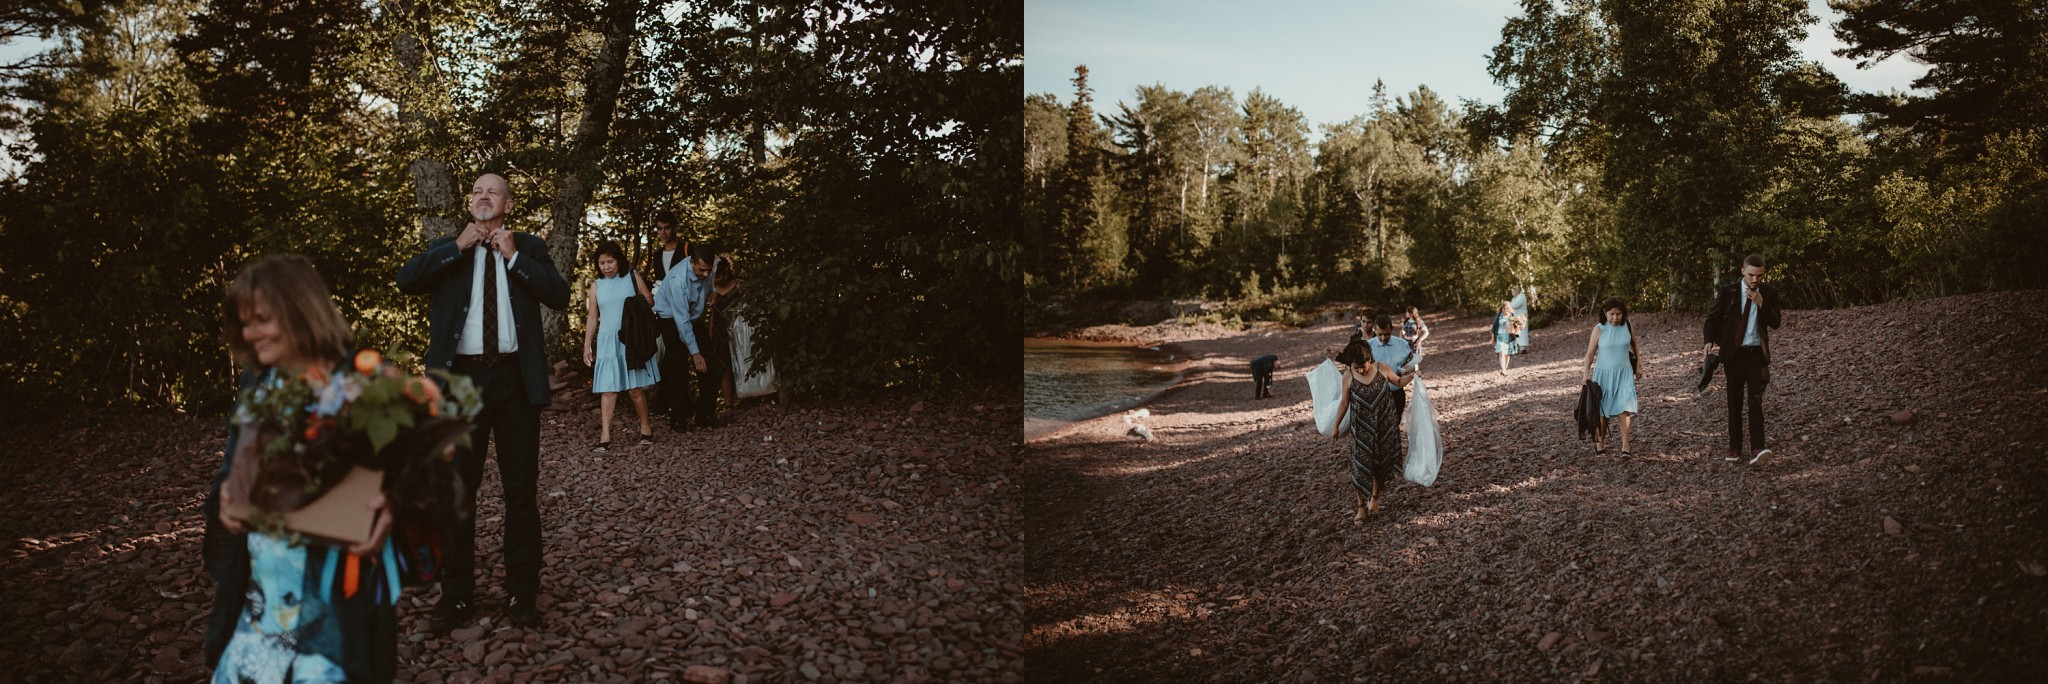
{"x":1066,"y":381}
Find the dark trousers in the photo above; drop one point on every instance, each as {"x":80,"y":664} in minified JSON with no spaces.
{"x":712,"y":380}
{"x":512,"y":424}
{"x":674,"y":388}
{"x":1262,"y":376}
{"x":1748,"y":372}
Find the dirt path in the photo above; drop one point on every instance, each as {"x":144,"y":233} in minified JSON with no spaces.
{"x":875,"y":542}
{"x":1868,"y":551}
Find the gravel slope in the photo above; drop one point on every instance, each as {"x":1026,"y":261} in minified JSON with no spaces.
{"x":1870,"y":551}
{"x":868,"y":542}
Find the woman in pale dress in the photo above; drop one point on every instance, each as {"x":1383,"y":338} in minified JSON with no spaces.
{"x":603,"y":350}
{"x":1608,"y":352}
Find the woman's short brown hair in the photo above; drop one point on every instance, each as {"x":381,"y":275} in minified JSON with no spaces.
{"x":1612,"y":303}
{"x":295,"y":295}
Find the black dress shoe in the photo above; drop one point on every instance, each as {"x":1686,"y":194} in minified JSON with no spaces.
{"x":450,"y":614}
{"x":522,"y":612}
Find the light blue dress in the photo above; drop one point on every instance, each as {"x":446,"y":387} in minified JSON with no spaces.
{"x":1611,"y":371}
{"x":609,"y":372}
{"x":1503,"y":342}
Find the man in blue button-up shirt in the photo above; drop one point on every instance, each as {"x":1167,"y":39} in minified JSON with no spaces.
{"x":679,"y":304}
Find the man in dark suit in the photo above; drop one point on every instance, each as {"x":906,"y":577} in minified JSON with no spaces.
{"x":487,"y":284}
{"x":672,"y":392}
{"x":1262,"y":376}
{"x":1739,"y":329}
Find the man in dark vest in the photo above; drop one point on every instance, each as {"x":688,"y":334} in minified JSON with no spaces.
{"x":665,"y":267}
{"x":487,"y":284}
{"x":1739,"y":329}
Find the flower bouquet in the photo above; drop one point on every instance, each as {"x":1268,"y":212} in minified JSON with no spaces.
{"x":316,"y":449}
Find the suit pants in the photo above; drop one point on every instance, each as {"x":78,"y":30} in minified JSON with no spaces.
{"x":1749,"y":371}
{"x":1262,"y":376}
{"x":673,"y":398}
{"x":712,"y":380}
{"x":511,"y":423}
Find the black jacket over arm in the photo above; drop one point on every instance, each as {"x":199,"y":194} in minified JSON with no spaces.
{"x":444,"y":272}
{"x":1724,"y":325}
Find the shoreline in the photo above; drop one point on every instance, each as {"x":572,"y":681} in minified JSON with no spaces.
{"x":1236,"y":519}
{"x":1180,"y":362}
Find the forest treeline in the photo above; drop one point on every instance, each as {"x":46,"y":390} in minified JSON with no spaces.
{"x":860,"y":157}
{"x":1642,"y":149}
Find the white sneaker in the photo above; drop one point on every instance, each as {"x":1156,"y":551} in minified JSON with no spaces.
{"x":1762,"y":457}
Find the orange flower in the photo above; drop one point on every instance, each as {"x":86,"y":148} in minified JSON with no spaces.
{"x":367,"y":361}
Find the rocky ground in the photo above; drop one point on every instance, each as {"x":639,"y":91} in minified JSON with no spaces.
{"x":1900,"y":536}
{"x":877,"y":541}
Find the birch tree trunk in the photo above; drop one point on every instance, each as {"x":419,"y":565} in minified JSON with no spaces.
{"x":435,"y":191}
{"x":579,"y":174}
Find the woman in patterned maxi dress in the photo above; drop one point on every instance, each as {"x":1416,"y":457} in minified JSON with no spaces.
{"x":1372,"y":397}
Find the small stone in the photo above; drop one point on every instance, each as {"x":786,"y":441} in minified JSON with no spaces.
{"x":1549,"y":640}
{"x":168,"y":659}
{"x":864,"y":518}
{"x":1893,"y":528}
{"x":706,"y":674}
{"x":810,"y":671}
{"x":1905,"y":417}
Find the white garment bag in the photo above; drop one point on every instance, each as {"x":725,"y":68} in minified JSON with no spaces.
{"x":747,"y":382}
{"x":1425,"y":446}
{"x":1325,"y":387}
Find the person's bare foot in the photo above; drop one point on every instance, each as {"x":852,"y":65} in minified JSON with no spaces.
{"x":1358,"y":516}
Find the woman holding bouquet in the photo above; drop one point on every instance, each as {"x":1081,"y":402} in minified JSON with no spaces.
{"x":1506,"y":330}
{"x":605,"y":353}
{"x":275,"y":617}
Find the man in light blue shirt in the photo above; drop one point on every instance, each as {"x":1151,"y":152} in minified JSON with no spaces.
{"x":679,"y":305}
{"x":1393,"y":351}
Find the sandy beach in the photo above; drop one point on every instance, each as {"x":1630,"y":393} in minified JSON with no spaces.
{"x":1899,"y":533}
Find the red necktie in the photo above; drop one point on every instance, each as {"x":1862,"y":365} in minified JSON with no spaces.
{"x":1742,"y":331}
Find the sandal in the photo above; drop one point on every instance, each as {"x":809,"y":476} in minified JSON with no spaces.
{"x":1626,"y":453}
{"x":646,"y":439}
{"x":602,"y":447}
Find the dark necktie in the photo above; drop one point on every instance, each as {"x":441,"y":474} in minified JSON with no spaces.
{"x":1742,"y":329}
{"x":490,"y":309}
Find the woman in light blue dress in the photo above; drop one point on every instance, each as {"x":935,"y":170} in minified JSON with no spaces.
{"x":1504,"y":335}
{"x":605,"y":352}
{"x":1609,"y":363}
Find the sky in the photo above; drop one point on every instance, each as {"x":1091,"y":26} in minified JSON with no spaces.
{"x":1319,"y":56}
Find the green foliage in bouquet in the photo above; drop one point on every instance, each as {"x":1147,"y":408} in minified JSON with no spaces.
{"x":304,"y":433}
